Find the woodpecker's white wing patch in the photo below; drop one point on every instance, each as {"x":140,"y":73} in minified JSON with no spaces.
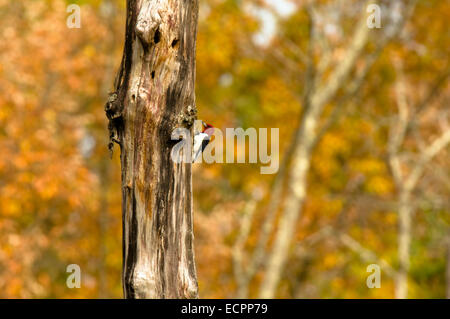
{"x":197,"y":150}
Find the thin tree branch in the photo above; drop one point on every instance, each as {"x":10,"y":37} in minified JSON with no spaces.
{"x":367,"y":254}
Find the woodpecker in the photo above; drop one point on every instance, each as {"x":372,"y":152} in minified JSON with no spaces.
{"x":202,"y":139}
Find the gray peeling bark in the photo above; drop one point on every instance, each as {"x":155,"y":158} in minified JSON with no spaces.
{"x":154,"y":94}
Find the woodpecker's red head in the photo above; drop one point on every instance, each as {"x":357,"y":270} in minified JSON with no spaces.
{"x":208,"y":129}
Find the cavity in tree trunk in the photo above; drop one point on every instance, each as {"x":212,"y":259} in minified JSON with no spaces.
{"x":154,"y":94}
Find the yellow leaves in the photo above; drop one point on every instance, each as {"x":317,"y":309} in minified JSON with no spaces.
{"x":330,"y":261}
{"x":380,"y":185}
{"x":277,"y":100}
{"x":50,"y":116}
{"x":47,"y":189}
{"x":325,"y":160}
{"x":378,"y":181}
{"x":89,"y":51}
{"x":391,"y":218}
{"x":335,"y":206}
{"x":10,"y":203}
{"x":318,"y":208}
{"x":385,"y":291}
{"x":11,"y":208}
{"x":50,"y":196}
{"x":332,"y":144}
{"x":216,"y":50}
{"x":4,"y":113}
{"x":25,"y":146}
{"x":369,"y":166}
{"x":337,"y":284}
{"x":14,"y":287}
{"x":44,"y":279}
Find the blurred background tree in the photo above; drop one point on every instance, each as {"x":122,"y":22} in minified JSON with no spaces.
{"x":373,"y":169}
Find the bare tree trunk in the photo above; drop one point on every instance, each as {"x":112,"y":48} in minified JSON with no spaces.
{"x":314,"y":102}
{"x":294,"y":202}
{"x":404,"y":242}
{"x":154,"y":94}
{"x":407,"y":183}
{"x":244,"y":277}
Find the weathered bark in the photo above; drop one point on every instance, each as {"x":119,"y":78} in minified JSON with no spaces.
{"x":154,"y":94}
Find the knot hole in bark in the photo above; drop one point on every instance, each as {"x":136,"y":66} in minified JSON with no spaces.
{"x":157,"y":36}
{"x":148,"y":31}
{"x":175,"y":43}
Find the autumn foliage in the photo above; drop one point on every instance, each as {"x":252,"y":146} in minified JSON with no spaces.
{"x":60,"y":193}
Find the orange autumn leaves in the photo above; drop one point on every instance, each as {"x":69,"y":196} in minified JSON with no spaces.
{"x":60,"y":194}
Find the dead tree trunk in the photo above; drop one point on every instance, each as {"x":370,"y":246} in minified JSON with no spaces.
{"x":154,"y":94}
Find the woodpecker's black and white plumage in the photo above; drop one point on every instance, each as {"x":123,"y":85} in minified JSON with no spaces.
{"x":201,"y":140}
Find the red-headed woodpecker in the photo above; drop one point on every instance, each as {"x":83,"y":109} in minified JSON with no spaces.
{"x":201,"y":140}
